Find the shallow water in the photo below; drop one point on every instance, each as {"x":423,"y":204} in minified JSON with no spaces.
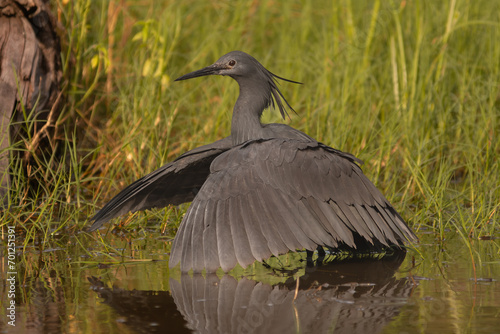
{"x":76,"y":285}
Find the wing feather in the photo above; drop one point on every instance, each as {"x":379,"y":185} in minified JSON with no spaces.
{"x":314,"y":206}
{"x":336,"y":224}
{"x":175,"y":183}
{"x":373,"y":225}
{"x":176,"y":250}
{"x":210,"y":245}
{"x":276,"y":231}
{"x":227,"y":255}
{"x":186,"y":245}
{"x":270,"y":196}
{"x":198,"y":223}
{"x":242,"y":250}
{"x":312,"y":225}
{"x":384,"y":226}
{"x":258,"y":243}
{"x":285,"y":225}
{"x":274,"y":242}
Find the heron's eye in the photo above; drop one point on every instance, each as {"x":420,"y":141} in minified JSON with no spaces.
{"x":232,"y":62}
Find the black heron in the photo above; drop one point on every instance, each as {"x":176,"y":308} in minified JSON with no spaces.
{"x":265,"y":190}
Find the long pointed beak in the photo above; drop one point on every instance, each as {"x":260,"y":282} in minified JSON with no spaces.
{"x":209,"y":70}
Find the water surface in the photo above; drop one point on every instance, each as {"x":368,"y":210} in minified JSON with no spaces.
{"x":77,"y":285}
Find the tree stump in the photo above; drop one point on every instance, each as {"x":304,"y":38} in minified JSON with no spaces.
{"x":30,"y":76}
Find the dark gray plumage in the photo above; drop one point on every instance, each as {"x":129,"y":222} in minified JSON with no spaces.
{"x":264,"y":190}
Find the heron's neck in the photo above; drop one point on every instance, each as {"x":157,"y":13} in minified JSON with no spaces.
{"x":246,"y":123}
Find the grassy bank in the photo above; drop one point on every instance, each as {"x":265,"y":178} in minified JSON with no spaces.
{"x":410,"y":87}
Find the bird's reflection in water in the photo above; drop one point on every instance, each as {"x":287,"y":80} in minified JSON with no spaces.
{"x":353,"y":296}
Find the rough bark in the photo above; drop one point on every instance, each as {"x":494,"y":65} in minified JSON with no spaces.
{"x":30,"y":76}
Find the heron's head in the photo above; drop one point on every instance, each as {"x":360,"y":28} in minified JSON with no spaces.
{"x":245,"y":69}
{"x":235,"y":64}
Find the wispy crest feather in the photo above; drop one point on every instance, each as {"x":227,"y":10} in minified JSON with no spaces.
{"x":277,"y":96}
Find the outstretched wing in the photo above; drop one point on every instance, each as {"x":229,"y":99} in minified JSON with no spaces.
{"x":175,"y":183}
{"x":267,"y":197}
